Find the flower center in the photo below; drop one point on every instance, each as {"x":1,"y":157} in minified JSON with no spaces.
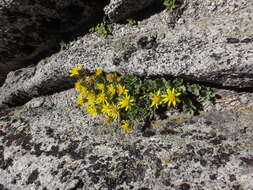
{"x":156,"y":99}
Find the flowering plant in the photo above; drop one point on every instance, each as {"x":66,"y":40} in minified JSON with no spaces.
{"x":131,"y":99}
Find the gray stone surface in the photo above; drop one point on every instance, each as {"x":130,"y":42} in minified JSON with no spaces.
{"x":29,"y":28}
{"x":118,"y":10}
{"x":33,"y":82}
{"x":216,"y":48}
{"x":50,"y":143}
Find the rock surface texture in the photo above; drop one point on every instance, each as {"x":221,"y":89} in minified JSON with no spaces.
{"x":119,"y":10}
{"x":29,"y":28}
{"x":48,"y":142}
{"x":199,"y":42}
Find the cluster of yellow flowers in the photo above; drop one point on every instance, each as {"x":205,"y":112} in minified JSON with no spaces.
{"x":106,"y":93}
{"x":103,"y":93}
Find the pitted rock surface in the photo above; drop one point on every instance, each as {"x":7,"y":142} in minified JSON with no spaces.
{"x":210,"y":49}
{"x":49,"y":143}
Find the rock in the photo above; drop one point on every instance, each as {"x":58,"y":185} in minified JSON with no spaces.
{"x":33,"y":82}
{"x":57,"y":145}
{"x":118,"y":10}
{"x":209,"y":49}
{"x":30,"y":28}
{"x":48,"y":142}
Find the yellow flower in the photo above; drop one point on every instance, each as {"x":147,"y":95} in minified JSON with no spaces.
{"x":91,"y":109}
{"x":78,"y":86}
{"x":125,"y":102}
{"x":121,"y":89}
{"x":156,"y":99}
{"x":75,"y":71}
{"x":80,"y":100}
{"x":171,"y":97}
{"x":118,"y":79}
{"x":90,"y":79}
{"x":100,"y":86}
{"x":106,"y":108}
{"x":98,"y":72}
{"x":91,"y":98}
{"x":111,"y":77}
{"x":111,"y":89}
{"x":126,"y":126}
{"x":114,"y":111}
{"x":101,"y":98}
{"x":111,"y":110}
{"x":84,"y":91}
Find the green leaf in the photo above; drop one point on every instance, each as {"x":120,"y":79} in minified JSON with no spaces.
{"x":207,"y":94}
{"x":177,"y":82}
{"x":170,"y":5}
{"x":194,"y":89}
{"x":132,"y":21}
{"x":102,"y":30}
{"x":62,"y":44}
{"x":162,"y":84}
{"x":150,"y":85}
{"x":188,"y":106}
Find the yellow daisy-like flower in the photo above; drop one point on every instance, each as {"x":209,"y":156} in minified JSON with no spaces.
{"x":79,"y":87}
{"x":156,"y":99}
{"x":111,"y":89}
{"x":111,"y":110}
{"x":105,"y":108}
{"x":98,"y":72}
{"x":91,"y":98}
{"x":80,"y":100}
{"x":111,"y":77}
{"x":101,"y":98}
{"x":171,"y":97}
{"x":91,"y":109}
{"x":121,"y":89}
{"x":126,"y":126}
{"x":125,"y":102}
{"x":101,"y":86}
{"x":114,"y":111}
{"x":75,"y":71}
{"x":84,"y":91}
